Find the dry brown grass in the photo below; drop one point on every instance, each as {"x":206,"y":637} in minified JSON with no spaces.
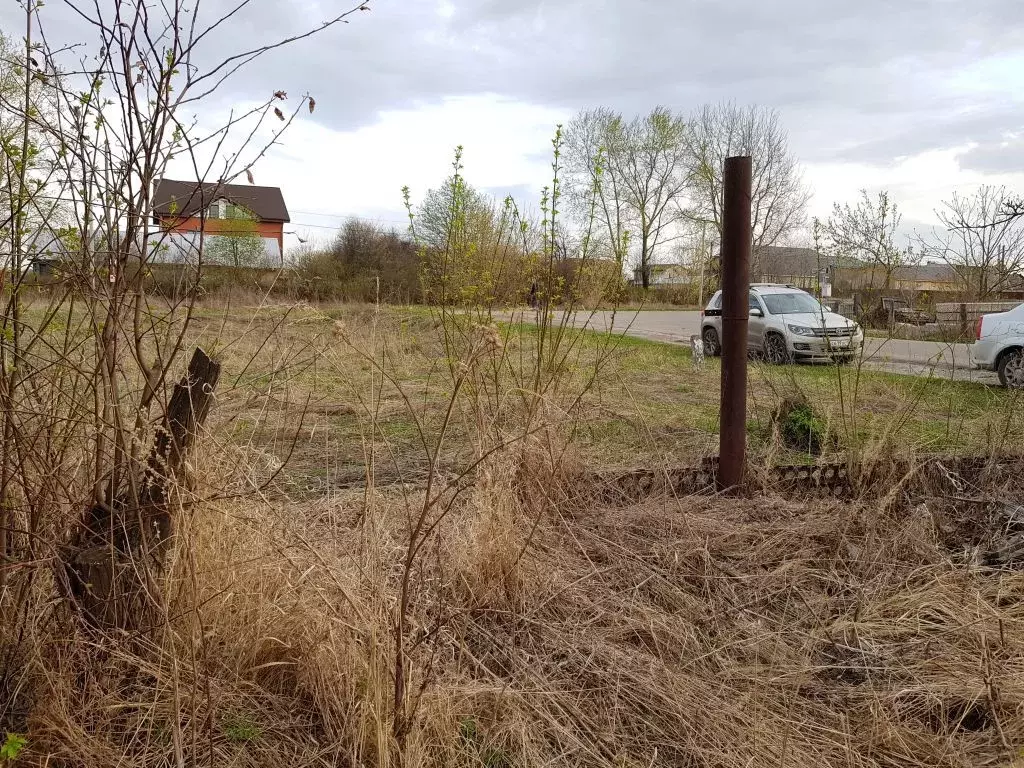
{"x":543,"y":629}
{"x":693,"y":631}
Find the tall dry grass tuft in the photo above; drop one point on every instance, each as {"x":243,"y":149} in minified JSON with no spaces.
{"x":107,"y":654}
{"x":488,"y":544}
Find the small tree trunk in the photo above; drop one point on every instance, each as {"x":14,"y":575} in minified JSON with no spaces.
{"x":116,"y":559}
{"x":645,"y":263}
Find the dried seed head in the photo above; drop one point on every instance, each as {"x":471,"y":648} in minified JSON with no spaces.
{"x":487,"y":339}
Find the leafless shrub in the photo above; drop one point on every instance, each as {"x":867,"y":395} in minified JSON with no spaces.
{"x":779,"y":197}
{"x":363,"y":263}
{"x":978,"y":240}
{"x":94,"y":474}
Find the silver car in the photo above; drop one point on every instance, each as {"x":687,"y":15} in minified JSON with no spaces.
{"x":1000,"y":346}
{"x":786,"y":324}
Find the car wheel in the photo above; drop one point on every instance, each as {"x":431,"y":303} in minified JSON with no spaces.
{"x":1011,"y":369}
{"x":711,"y":345}
{"x":775,"y":351}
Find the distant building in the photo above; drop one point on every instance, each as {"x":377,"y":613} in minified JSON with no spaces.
{"x":801,"y":267}
{"x":45,"y":251}
{"x":806,"y":267}
{"x":1013,"y":288}
{"x":187,"y":211}
{"x":941,"y":279}
{"x":665,"y":274}
{"x":43,"y":266}
{"x":931,"y":278}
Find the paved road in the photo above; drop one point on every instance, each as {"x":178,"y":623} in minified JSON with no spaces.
{"x":916,"y":358}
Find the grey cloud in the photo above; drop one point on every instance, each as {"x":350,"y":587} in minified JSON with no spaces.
{"x":871,"y":81}
{"x":1003,"y":157}
{"x":868,"y":81}
{"x":956,"y":123}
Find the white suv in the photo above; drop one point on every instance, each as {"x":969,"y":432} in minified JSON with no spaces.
{"x":1000,"y":346}
{"x":786,"y":324}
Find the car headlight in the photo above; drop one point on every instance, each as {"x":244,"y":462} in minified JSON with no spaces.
{"x":801,"y":330}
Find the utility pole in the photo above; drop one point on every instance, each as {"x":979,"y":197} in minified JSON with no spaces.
{"x":736,"y":246}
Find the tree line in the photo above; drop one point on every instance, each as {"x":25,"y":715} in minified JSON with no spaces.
{"x":632,"y":189}
{"x":658,"y":177}
{"x":637,"y":191}
{"x":980,"y":238}
{"x":646,"y":189}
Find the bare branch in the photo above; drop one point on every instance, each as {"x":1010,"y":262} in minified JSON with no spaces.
{"x":980,"y":240}
{"x":779,"y":196}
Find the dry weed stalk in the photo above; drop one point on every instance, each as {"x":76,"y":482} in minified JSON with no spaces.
{"x":87,"y":361}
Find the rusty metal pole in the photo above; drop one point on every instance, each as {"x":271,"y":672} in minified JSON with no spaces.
{"x":736,"y":242}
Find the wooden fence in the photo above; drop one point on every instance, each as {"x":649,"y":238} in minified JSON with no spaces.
{"x":968,"y":313}
{"x":845,"y":307}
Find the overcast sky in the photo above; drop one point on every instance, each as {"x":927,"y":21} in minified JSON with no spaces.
{"x":918,"y":96}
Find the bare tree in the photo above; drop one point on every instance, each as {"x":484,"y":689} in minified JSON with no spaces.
{"x":1014,"y":208}
{"x":868,"y":232}
{"x":30,"y":218}
{"x":978,"y":240}
{"x":594,"y":185}
{"x":468,"y":243}
{"x":640,"y":167}
{"x":364,"y":262}
{"x":653,"y":169}
{"x":779,"y":197}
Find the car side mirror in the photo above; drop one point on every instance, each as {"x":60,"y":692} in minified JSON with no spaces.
{"x":755,"y":312}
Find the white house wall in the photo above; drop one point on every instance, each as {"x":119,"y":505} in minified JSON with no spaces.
{"x":183,"y":248}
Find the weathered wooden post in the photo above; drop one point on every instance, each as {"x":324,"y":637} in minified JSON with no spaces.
{"x":117,"y":555}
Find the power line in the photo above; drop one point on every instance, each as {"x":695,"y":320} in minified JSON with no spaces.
{"x":329,"y":226}
{"x":346,"y":216}
{"x":350,"y":216}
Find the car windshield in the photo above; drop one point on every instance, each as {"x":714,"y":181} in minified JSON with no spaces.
{"x":790,"y":303}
